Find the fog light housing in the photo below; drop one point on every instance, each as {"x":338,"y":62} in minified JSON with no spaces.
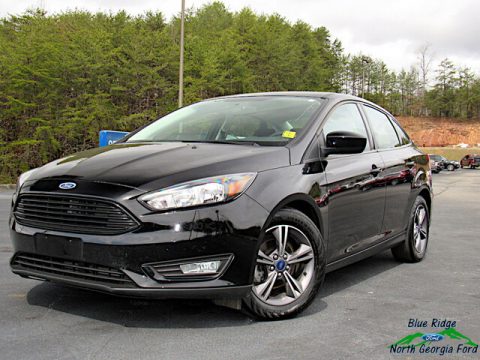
{"x":193,"y":269}
{"x":204,"y":267}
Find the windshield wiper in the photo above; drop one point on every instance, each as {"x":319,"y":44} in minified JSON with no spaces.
{"x":229,"y":142}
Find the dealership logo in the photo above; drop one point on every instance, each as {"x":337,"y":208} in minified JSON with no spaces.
{"x":447,"y":341}
{"x":67,"y":185}
{"x":433,"y":337}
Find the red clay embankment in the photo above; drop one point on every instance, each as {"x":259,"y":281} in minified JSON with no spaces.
{"x":441,"y":131}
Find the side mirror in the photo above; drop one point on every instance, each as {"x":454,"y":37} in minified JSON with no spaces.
{"x":344,"y":142}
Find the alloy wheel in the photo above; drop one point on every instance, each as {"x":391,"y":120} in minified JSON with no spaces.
{"x":285,"y":265}
{"x":420,"y":229}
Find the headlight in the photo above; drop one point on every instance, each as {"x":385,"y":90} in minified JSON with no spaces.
{"x":22,"y":178}
{"x":199,"y":192}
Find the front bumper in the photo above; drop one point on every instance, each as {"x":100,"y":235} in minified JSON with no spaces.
{"x":137,"y":292}
{"x":87,"y":261}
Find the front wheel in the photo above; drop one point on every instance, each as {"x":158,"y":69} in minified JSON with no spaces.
{"x":450,"y":167}
{"x":290,"y":267}
{"x":414,"y":248}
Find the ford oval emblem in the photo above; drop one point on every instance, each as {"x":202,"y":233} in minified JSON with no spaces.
{"x":432,"y":337}
{"x":67,"y":185}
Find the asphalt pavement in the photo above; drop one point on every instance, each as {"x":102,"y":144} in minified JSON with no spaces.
{"x":361,"y":310}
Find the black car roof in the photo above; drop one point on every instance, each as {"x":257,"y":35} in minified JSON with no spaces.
{"x":323,"y":95}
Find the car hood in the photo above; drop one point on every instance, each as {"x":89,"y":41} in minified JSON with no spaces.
{"x":157,"y":165}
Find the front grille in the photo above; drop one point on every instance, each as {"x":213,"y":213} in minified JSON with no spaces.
{"x":71,"y":269}
{"x":74,"y":214}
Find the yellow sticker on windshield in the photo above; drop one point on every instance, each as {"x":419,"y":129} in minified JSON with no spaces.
{"x":289,"y":134}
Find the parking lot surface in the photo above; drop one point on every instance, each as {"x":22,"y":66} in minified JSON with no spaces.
{"x":361,"y":310}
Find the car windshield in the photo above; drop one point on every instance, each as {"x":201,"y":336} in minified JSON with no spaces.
{"x":262,"y":120}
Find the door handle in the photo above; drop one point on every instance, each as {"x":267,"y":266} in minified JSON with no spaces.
{"x":375,"y":170}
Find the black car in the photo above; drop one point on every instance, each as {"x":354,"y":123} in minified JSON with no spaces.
{"x":444,"y":163}
{"x":249,"y":200}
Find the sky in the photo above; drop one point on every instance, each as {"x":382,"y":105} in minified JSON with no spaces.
{"x":391,"y":30}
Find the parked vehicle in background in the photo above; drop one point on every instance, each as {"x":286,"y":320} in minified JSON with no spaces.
{"x":471,"y":160}
{"x":434,"y":165}
{"x":444,"y":163}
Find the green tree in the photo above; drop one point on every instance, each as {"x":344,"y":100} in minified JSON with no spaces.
{"x":64,"y":77}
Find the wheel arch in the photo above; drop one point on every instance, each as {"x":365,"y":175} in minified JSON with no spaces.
{"x":302,"y":203}
{"x":425,"y":193}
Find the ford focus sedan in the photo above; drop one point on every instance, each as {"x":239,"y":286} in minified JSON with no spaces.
{"x":248,"y":200}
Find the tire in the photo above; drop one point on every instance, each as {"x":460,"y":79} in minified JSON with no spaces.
{"x":414,"y":249}
{"x":274,"y":294}
{"x":450,"y":167}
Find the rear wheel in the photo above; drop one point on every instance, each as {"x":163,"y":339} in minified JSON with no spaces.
{"x":414,"y":248}
{"x":290,"y":267}
{"x":450,"y":167}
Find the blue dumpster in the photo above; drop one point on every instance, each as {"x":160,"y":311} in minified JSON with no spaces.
{"x":108,"y":137}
